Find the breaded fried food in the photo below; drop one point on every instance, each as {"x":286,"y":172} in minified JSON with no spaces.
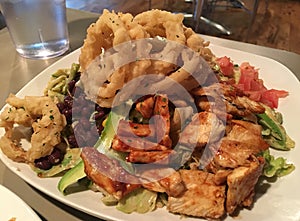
{"x":38,"y":112}
{"x":102,"y":80}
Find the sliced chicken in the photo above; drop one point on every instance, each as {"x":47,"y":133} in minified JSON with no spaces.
{"x":159,"y":157}
{"x":164,"y":180}
{"x":221,"y":176}
{"x":162,"y":120}
{"x":241,"y":183}
{"x":224,"y":99}
{"x":145,"y":107}
{"x":249,"y":133}
{"x":126,"y":128}
{"x":147,"y":143}
{"x":127,"y":144}
{"x":231,"y":154}
{"x":204,"y":128}
{"x":203,"y":198}
{"x":107,"y":173}
{"x":242,"y":141}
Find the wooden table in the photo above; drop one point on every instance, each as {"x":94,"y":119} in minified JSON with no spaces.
{"x":17,"y":71}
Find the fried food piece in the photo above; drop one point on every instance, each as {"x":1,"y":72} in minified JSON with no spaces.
{"x":203,"y":198}
{"x":162,"y":23}
{"x":103,"y":79}
{"x":99,"y":36}
{"x":40,"y":113}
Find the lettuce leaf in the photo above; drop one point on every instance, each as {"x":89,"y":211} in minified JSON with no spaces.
{"x":273,"y":131}
{"x":276,"y":167}
{"x":140,"y":200}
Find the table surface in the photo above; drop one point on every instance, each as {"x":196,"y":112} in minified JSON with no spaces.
{"x":17,"y":72}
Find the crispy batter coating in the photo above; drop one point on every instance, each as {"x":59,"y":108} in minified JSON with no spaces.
{"x":112,"y":29}
{"x":38,"y":112}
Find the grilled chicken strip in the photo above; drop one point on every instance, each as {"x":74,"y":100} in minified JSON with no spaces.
{"x":159,"y":157}
{"x":205,"y":127}
{"x":228,"y":96}
{"x":164,"y":180}
{"x":107,"y":173}
{"x":241,"y":183}
{"x":249,"y":133}
{"x":145,"y":107}
{"x":147,"y":143}
{"x":131,"y":129}
{"x":242,"y":141}
{"x":203,"y":198}
{"x":162,"y":123}
{"x":128,"y":144}
{"x":231,"y":154}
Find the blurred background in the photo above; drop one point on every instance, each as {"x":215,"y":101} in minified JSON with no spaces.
{"x":271,"y":23}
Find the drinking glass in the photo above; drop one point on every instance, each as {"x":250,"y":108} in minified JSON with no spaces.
{"x":38,"y":28}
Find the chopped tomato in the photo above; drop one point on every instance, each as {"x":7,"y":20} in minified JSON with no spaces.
{"x":254,"y":95}
{"x":257,"y":85}
{"x":226,"y":66}
{"x":271,"y":97}
{"x":254,"y":87}
{"x":279,"y":93}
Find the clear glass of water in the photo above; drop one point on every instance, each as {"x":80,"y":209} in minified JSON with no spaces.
{"x":38,"y":28}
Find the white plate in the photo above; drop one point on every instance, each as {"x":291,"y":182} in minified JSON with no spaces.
{"x":281,"y":201}
{"x":12,"y":206}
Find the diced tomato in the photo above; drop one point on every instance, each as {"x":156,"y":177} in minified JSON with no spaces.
{"x":271,"y":97}
{"x":279,"y":93}
{"x":254,"y":95}
{"x":246,"y":68}
{"x":249,"y":77}
{"x":254,"y":87}
{"x":226,"y":66}
{"x":258,"y":85}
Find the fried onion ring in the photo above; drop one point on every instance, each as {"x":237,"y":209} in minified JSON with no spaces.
{"x":163,"y":23}
{"x":108,"y":31}
{"x":38,"y":112}
{"x":112,"y":29}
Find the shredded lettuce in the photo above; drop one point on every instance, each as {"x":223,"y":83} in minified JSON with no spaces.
{"x":276,"y":167}
{"x":109,"y":200}
{"x":273,"y":131}
{"x":140,"y":200}
{"x":58,"y":84}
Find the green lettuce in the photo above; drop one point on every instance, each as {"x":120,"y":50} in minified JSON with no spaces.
{"x":276,"y":167}
{"x":140,"y":200}
{"x":273,"y":131}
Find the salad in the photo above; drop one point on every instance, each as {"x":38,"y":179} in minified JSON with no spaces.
{"x":201,"y":156}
